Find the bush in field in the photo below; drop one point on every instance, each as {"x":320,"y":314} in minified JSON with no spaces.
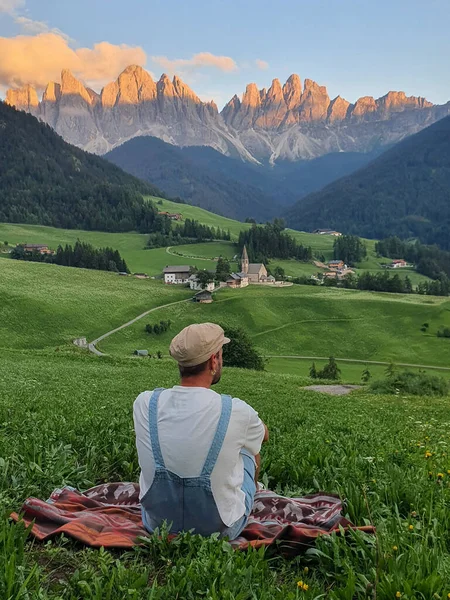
{"x":158,"y":328}
{"x":417,"y":384}
{"x":241,"y":352}
{"x":444,"y":332}
{"x":330,"y":371}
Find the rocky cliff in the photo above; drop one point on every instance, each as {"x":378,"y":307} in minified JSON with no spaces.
{"x":290,"y":121}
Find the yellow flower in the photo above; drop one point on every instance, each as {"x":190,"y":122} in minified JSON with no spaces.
{"x":305,"y":587}
{"x":448,"y":472}
{"x":414,"y":514}
{"x":428,"y":454}
{"x":398,"y":595}
{"x":305,"y":570}
{"x":300,"y":584}
{"x":411,"y":527}
{"x":395,"y":548}
{"x":440,"y":475}
{"x":448,"y":596}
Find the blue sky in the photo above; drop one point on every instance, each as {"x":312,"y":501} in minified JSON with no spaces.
{"x":354,"y":47}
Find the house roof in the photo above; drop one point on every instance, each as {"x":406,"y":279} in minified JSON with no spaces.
{"x":35,"y":246}
{"x":203,"y":293}
{"x":335,"y":262}
{"x":234,"y":276}
{"x":177,"y":269}
{"x":254,"y":268}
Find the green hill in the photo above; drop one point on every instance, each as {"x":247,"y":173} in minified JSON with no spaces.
{"x":44,"y":180}
{"x":404,"y":192}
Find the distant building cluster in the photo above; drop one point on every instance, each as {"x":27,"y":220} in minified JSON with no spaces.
{"x":327,"y":232}
{"x":250,"y":273}
{"x":337,"y":269}
{"x":172,"y":216}
{"x":39,"y":248}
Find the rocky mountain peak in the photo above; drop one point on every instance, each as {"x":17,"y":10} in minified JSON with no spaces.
{"x":71,"y":86}
{"x":251,"y":96}
{"x":292,"y":91}
{"x":24,"y":98}
{"x":165,"y":86}
{"x":337,"y":110}
{"x":52,"y":92}
{"x":183,"y":91}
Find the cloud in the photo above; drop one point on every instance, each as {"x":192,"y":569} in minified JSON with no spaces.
{"x":262,"y":64}
{"x":203,"y":59}
{"x":40,"y":58}
{"x":10,"y":6}
{"x":36,"y":27}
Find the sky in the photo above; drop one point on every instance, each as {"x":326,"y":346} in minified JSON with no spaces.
{"x":354,"y":47}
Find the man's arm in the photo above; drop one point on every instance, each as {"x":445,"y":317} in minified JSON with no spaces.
{"x":266,"y":433}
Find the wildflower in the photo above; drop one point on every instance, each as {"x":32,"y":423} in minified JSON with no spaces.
{"x":398,"y":595}
{"x":305,"y":570}
{"x":428,"y":454}
{"x":448,"y":596}
{"x":305,"y":587}
{"x":395,"y":548}
{"x":374,"y":480}
{"x":411,"y":527}
{"x":300,"y":584}
{"x":414,"y":514}
{"x":448,"y":472}
{"x":440,"y":475}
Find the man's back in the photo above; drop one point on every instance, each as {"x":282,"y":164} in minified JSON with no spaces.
{"x":187,"y":419}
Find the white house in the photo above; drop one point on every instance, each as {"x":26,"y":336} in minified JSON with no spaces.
{"x":177,"y":274}
{"x":194,"y":284}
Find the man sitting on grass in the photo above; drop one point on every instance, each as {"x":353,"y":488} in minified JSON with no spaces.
{"x":198,"y":451}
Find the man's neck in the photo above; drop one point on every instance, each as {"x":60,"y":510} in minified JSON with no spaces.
{"x":197,"y":381}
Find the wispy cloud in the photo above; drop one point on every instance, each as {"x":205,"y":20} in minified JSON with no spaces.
{"x":10,"y":6}
{"x":198,"y":61}
{"x":40,"y":58}
{"x":262,"y":64}
{"x":30,"y":26}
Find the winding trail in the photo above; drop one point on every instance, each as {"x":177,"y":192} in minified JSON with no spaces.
{"x":92,"y":345}
{"x":360,"y":361}
{"x":169,"y":248}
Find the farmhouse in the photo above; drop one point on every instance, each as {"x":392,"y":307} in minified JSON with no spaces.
{"x":204,"y":297}
{"x":327,"y":232}
{"x":177,"y":274}
{"x":337,"y":264}
{"x":237,"y":280}
{"x":398,"y":263}
{"x":172,"y":216}
{"x":141,"y":275}
{"x":194,"y":284}
{"x":40,"y":248}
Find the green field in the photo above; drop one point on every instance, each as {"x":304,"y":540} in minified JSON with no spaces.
{"x":311,"y":321}
{"x":66,"y":419}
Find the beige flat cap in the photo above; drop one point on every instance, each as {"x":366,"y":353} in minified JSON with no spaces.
{"x":195,"y":344}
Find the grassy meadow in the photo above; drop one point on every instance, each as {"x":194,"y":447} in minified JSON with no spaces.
{"x":66,"y":419}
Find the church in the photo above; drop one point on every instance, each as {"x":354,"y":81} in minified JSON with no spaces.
{"x":250,"y":273}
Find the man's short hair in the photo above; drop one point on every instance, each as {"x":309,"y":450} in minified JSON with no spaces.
{"x":192,"y":371}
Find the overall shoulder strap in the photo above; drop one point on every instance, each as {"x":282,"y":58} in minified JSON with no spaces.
{"x":219,"y":436}
{"x":153,"y":428}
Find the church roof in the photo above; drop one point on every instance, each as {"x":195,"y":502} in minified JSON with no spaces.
{"x":244,"y":254}
{"x":254,"y":268}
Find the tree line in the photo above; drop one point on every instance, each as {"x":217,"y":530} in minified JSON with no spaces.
{"x":350,"y":249}
{"x":191,"y":231}
{"x":428,"y":260}
{"x":82,"y":255}
{"x":270,"y":241}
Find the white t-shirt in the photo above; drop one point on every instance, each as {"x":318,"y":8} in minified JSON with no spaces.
{"x":187,"y":422}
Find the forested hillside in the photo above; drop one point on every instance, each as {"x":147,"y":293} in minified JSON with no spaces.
{"x":44,"y":180}
{"x":229,"y":186}
{"x":405,"y":192}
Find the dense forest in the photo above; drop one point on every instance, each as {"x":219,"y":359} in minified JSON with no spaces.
{"x":405,"y":192}
{"x":270,"y":241}
{"x":45,"y":181}
{"x":349,"y":248}
{"x":190,"y":231}
{"x":82,"y":255}
{"x":429,"y":260}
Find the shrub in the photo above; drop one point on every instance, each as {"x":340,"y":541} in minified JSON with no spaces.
{"x":241,"y":352}
{"x":330,"y":371}
{"x":416,"y":384}
{"x":158,"y":328}
{"x":443,"y":332}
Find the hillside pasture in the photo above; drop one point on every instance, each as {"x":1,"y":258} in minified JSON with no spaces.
{"x":67,"y":420}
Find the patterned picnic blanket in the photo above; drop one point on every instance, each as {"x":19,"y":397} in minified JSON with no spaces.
{"x":109,"y":515}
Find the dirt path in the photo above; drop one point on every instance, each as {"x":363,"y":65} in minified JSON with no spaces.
{"x":92,"y":345}
{"x":169,"y":248}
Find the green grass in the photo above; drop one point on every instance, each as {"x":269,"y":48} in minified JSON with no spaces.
{"x":201,"y":215}
{"x":310,"y":321}
{"x":46,"y":305}
{"x":66,"y":419}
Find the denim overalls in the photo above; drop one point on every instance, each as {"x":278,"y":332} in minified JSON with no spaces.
{"x":186,"y":503}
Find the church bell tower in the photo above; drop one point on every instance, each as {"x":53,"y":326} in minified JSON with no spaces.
{"x":244,"y":265}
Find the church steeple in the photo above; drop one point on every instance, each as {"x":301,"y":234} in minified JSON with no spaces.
{"x":244,"y":265}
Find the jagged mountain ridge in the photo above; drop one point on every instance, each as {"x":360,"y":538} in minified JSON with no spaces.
{"x":289,"y":122}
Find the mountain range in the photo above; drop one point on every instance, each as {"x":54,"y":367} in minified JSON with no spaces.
{"x":295,"y":121}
